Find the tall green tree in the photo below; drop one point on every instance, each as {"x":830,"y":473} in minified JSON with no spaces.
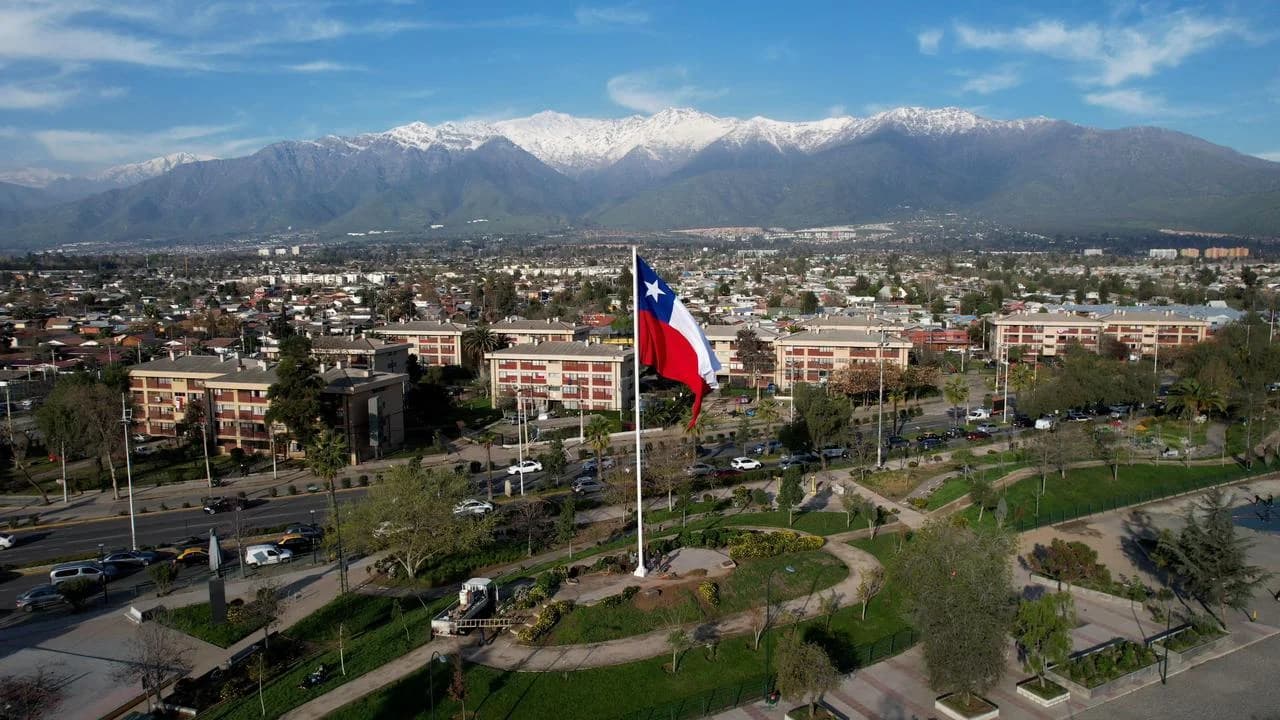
{"x":1043,"y":630}
{"x":805,"y":672}
{"x":295,"y":396}
{"x":479,"y":340}
{"x":956,"y":391}
{"x":63,"y":425}
{"x":1209,"y":558}
{"x":756,"y":356}
{"x":825,"y":415}
{"x":790,"y":495}
{"x":597,"y":436}
{"x":1190,"y":398}
{"x":326,"y":456}
{"x":958,"y":587}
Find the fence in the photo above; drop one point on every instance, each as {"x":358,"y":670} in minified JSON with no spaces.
{"x":755,"y":688}
{"x":1158,"y":491}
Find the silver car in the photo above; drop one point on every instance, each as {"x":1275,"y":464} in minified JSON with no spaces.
{"x":39,"y":598}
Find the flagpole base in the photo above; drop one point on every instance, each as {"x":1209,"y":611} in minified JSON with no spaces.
{"x":641,"y":571}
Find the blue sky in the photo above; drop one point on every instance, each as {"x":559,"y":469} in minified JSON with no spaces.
{"x":90,"y":83}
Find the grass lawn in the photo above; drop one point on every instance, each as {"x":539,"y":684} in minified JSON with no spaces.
{"x":893,"y":484}
{"x":950,"y":490}
{"x":645,"y":689}
{"x":742,"y":589}
{"x":1089,"y":490}
{"x":196,"y":621}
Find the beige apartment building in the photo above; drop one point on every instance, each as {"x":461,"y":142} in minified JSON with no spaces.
{"x":239,"y":401}
{"x":1143,"y":331}
{"x":524,"y":332}
{"x":1043,"y":335}
{"x":161,"y":390}
{"x":570,"y":375}
{"x":434,"y":343}
{"x":857,"y":323}
{"x":354,"y":352}
{"x":812,"y":355}
{"x":724,"y":342}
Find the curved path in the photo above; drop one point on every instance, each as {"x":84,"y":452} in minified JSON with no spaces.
{"x":507,"y":654}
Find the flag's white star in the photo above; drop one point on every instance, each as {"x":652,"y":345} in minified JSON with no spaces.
{"x":653,"y":290}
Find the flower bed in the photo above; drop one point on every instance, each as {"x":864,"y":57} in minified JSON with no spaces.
{"x":1119,"y":663}
{"x":546,"y":620}
{"x":1189,"y":641}
{"x":763,"y":545}
{"x":1047,"y":694}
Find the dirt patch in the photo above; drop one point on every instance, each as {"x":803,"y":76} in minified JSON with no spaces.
{"x":1078,"y":527}
{"x":672,"y":595}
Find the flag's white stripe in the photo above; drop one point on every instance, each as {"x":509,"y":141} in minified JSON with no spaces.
{"x":684,"y":323}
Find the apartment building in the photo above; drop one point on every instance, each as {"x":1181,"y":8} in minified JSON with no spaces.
{"x":1146,"y":332}
{"x":524,"y":332}
{"x":812,"y":355}
{"x":856,"y":323}
{"x":162,"y":389}
{"x":240,"y":400}
{"x":354,"y":352}
{"x":434,"y":343}
{"x":724,"y":342}
{"x":369,"y":408}
{"x":570,"y":375}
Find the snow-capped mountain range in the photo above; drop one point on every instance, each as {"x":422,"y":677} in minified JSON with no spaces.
{"x":574,"y":145}
{"x":118,"y":176}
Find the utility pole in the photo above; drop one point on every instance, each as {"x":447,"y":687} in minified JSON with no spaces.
{"x":126,"y":419}
{"x":337,"y":533}
{"x":880,"y":404}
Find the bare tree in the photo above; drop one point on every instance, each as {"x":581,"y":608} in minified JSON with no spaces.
{"x":829,"y":605}
{"x":762,"y":618}
{"x":870,"y":586}
{"x":528,"y":516}
{"x":31,"y":697}
{"x":157,"y":656}
{"x":266,"y":608}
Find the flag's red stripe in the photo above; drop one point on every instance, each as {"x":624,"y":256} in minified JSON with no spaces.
{"x":670,"y":353}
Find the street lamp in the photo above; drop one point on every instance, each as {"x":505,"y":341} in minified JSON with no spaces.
{"x":880,"y":405}
{"x":313,"y":540}
{"x":431,"y":679}
{"x":102,"y":565}
{"x":8,"y":410}
{"x":126,"y":419}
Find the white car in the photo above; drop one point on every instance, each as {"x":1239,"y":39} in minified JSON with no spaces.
{"x":1044,"y":423}
{"x":528,"y":466}
{"x":988,"y":428}
{"x":978,"y":414}
{"x":8,"y":541}
{"x":745,"y":463}
{"x":473,"y":507}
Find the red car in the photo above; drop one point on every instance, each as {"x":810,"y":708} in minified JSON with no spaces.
{"x":977,"y":435}
{"x":724,"y":473}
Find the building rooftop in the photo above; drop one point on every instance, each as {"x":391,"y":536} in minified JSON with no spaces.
{"x":841,"y":337}
{"x":575,"y":349}
{"x":352,"y":344}
{"x":421,"y":326}
{"x":1044,"y":319}
{"x":203,"y":364}
{"x":547,"y":325}
{"x":351,"y":379}
{"x":730,"y":332}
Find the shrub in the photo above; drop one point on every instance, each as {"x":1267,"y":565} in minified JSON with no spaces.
{"x":710,"y":593}
{"x":913,"y":464}
{"x":741,"y":496}
{"x":164,"y":506}
{"x":144,"y":510}
{"x":185,"y":505}
{"x":273,"y":492}
{"x":760,"y":497}
{"x":346,"y":483}
{"x":918,"y":503}
{"x":546,"y":620}
{"x":708,"y":497}
{"x":292,"y":489}
{"x":762,"y":545}
{"x":630,"y":591}
{"x":364,"y":481}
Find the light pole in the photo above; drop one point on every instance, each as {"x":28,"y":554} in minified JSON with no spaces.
{"x":431,"y":679}
{"x":880,"y":405}
{"x":8,"y":410}
{"x":102,"y":556}
{"x":126,"y":419}
{"x":313,"y":540}
{"x":1004,"y":410}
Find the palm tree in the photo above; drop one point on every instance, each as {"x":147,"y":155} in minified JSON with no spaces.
{"x":326,"y":456}
{"x":1022,"y":378}
{"x":897,"y":396}
{"x":957,"y":391}
{"x":488,"y":438}
{"x":1192,"y":398}
{"x":597,"y":434}
{"x":693,"y":427}
{"x":478,"y":340}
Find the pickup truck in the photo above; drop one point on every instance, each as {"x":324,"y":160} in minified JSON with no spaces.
{"x":474,"y":600}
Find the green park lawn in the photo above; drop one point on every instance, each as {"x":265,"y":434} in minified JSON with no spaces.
{"x":646,"y":689}
{"x":196,"y":621}
{"x":950,"y":490}
{"x":1090,"y":490}
{"x":740,"y":590}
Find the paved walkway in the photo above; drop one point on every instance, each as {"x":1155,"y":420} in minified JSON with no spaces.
{"x":507,"y":654}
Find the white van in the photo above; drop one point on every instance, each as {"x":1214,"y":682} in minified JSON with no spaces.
{"x":256,"y":555}
{"x":979,"y":414}
{"x":67,"y":572}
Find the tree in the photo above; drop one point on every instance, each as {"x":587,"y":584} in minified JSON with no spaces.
{"x":62,"y":424}
{"x":156,"y":656}
{"x":326,"y":456}
{"x":790,"y":494}
{"x":162,"y":576}
{"x":678,"y":640}
{"x":527,"y":516}
{"x":195,"y":425}
{"x":295,"y":395}
{"x":99,"y":409}
{"x":1210,"y":559}
{"x":805,"y":672}
{"x":31,"y":697}
{"x":266,"y":608}
{"x":808,"y":303}
{"x":958,"y":588}
{"x":458,"y":684}
{"x":19,"y":445}
{"x":829,"y":605}
{"x":1043,"y":628}
{"x":763,"y":617}
{"x":488,"y":439}
{"x":869,"y":586}
{"x":597,"y":436}
{"x":567,"y":523}
{"x":479,"y":340}
{"x":982,"y":493}
{"x":852,"y":503}
{"x":825,"y":416}
{"x":956,"y":391}
{"x":1106,"y":447}
{"x":554,"y":461}
{"x":409,"y":516}
{"x":78,"y":592}
{"x":1190,"y":399}
{"x":756,"y":356}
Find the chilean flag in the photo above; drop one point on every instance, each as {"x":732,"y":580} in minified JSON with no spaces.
{"x":669,"y":338}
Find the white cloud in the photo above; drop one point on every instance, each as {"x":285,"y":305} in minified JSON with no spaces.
{"x":1115,"y":53}
{"x":601,"y":16}
{"x":992,"y":81}
{"x":1133,"y":102}
{"x":20,"y":97}
{"x":837,"y":111}
{"x":323,"y":66}
{"x":1272,"y":156}
{"x":928,"y":41}
{"x":87,"y":146}
{"x":653,"y":90}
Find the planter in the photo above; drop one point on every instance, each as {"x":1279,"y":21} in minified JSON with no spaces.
{"x":1044,"y":697}
{"x":948,"y":706}
{"x":1187,"y":656}
{"x":1141,"y":676}
{"x":821,"y":712}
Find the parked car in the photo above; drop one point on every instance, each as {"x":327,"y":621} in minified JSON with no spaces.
{"x":952,"y":433}
{"x":215,"y":505}
{"x":8,"y":540}
{"x":67,"y":572}
{"x":1077,"y":416}
{"x":931,"y":443}
{"x":526,"y":466}
{"x":294,"y":543}
{"x":606,"y":463}
{"x":978,"y":414}
{"x":588,"y":485}
{"x":977,"y":435}
{"x":140,"y":438}
{"x":793,"y":461}
{"x":699,"y":470}
{"x":191,"y":556}
{"x":1023,"y":421}
{"x":834,"y":451}
{"x":259,"y":555}
{"x":744,"y":400}
{"x":473,"y":507}
{"x":989,"y":428}
{"x":132,"y":557}
{"x":745,"y":463}
{"x":1170,"y":453}
{"x":1119,"y":411}
{"x":767,"y":448}
{"x":1045,"y":423}
{"x":39,"y":598}
{"x":894,"y":442}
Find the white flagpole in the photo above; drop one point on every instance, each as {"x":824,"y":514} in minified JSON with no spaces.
{"x":641,"y":570}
